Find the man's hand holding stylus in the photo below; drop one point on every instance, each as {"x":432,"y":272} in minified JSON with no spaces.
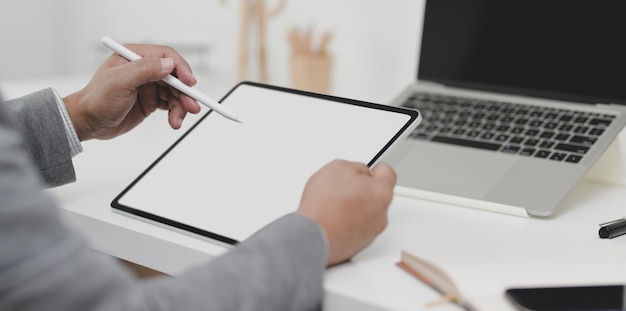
{"x":121,"y":94}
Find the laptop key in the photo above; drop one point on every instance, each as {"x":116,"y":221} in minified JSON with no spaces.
{"x":466,"y":143}
{"x":510,"y":149}
{"x":487,"y":135}
{"x":581,"y":129}
{"x":502,"y":138}
{"x":551,"y":116}
{"x":517,"y":130}
{"x":581,"y":120}
{"x":562,"y":137}
{"x":583,"y":140}
{"x":551,"y":125}
{"x":473,"y":133}
{"x":573,"y":158}
{"x":419,"y":135}
{"x":596,"y":131}
{"x":521,"y":121}
{"x":572,"y":148}
{"x":557,"y":156}
{"x":517,"y":140}
{"x":531,"y":133}
{"x":531,"y":142}
{"x":542,"y":154}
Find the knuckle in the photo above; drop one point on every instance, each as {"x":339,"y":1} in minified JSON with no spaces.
{"x":143,"y":67}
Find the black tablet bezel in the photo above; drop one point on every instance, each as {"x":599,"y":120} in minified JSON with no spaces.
{"x":115,"y":204}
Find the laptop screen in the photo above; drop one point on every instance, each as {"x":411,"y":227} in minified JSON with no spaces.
{"x":561,"y":49}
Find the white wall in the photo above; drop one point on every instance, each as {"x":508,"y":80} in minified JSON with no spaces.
{"x":375,"y":42}
{"x":26,"y":33}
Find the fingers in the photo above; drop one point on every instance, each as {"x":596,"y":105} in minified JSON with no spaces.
{"x":176,"y":114}
{"x":121,"y":94}
{"x":189,"y":104}
{"x":148,"y":69}
{"x":178,"y":107}
{"x":357,"y":167}
{"x":181,"y":70}
{"x":144,"y":70}
{"x":381,"y":171}
{"x":156,"y":62}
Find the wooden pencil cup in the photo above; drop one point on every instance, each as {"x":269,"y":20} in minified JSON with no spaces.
{"x":311,"y":72}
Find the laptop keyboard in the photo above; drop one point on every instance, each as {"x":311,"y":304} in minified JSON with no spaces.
{"x":517,"y":129}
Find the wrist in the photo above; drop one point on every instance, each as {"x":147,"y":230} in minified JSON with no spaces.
{"x":324,"y":233}
{"x":77,"y":115}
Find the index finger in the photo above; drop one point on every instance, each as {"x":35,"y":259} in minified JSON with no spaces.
{"x":182,"y":69}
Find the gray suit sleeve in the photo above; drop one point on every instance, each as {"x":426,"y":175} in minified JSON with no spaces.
{"x":280,"y":268}
{"x":45,"y":138}
{"x":46,"y":266}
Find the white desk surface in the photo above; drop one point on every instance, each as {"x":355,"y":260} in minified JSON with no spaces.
{"x":371,"y":281}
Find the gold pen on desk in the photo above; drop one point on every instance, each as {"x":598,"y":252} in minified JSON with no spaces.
{"x":445,"y":298}
{"x":450,"y":298}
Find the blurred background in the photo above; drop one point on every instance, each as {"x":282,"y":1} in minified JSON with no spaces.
{"x":373,"y":43}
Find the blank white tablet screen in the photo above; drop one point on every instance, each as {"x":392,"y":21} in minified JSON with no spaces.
{"x":231,"y":179}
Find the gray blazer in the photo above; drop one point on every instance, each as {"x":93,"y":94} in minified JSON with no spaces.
{"x":46,"y":266}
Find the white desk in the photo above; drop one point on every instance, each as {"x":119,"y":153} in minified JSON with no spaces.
{"x":371,"y":281}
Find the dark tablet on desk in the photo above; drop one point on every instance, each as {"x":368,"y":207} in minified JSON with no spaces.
{"x":226,"y":180}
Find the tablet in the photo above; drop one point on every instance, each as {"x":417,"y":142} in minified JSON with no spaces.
{"x":225,"y":180}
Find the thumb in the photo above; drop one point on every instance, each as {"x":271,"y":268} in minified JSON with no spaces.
{"x":384,"y":172}
{"x":145,"y":70}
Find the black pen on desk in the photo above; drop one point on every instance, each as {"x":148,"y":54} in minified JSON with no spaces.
{"x":611,"y":229}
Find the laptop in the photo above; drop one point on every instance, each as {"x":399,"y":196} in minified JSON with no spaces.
{"x":519,"y":99}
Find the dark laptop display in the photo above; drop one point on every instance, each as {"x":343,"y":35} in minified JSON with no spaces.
{"x":569,"y":50}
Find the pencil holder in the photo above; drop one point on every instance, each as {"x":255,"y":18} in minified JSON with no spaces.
{"x":311,"y":72}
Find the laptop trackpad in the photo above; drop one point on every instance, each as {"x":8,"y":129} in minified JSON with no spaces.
{"x":449,"y":169}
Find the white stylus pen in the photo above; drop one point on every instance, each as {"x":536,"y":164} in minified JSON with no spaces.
{"x":173,"y":81}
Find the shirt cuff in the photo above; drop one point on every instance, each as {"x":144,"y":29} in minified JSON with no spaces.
{"x":70,"y":132}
